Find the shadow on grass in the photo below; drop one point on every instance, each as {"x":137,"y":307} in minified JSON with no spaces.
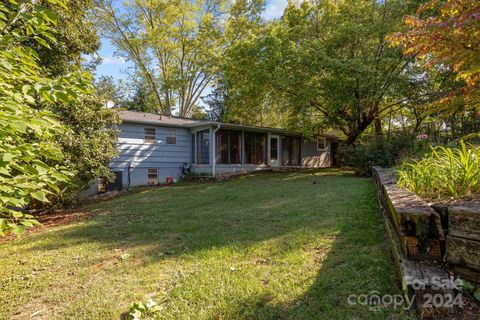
{"x":239,"y":213}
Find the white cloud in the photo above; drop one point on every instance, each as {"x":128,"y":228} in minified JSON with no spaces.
{"x":112,"y":60}
{"x":274,"y":9}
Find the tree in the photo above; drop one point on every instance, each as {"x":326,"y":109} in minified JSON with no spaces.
{"x":445,"y":34}
{"x":174,"y":45}
{"x":325,"y":65}
{"x":109,"y":90}
{"x":31,"y":163}
{"x":217,"y":104}
{"x":75,"y":37}
{"x":89,"y":144}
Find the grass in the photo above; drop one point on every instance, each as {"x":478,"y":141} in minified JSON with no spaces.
{"x":273,"y":246}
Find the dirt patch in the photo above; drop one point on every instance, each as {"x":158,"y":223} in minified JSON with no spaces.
{"x":50,"y":220}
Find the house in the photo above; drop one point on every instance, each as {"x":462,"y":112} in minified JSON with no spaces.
{"x":153,"y":148}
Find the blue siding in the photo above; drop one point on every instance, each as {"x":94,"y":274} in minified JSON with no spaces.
{"x":167,"y":158}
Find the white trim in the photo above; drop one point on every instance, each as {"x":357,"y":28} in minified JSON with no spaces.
{"x":324,"y":143}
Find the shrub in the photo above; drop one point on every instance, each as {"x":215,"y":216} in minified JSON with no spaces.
{"x":380,"y":151}
{"x":453,"y":172}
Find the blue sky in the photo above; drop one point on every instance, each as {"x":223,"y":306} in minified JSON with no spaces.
{"x":113,"y":66}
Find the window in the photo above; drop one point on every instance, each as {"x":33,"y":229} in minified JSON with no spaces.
{"x":228,"y":146}
{"x":171,"y":136}
{"x":149,"y":135}
{"x":152,"y":176}
{"x":291,"y":151}
{"x":255,"y":150}
{"x":274,"y":149}
{"x":321,"y":143}
{"x":203,"y":147}
{"x":193,"y":148}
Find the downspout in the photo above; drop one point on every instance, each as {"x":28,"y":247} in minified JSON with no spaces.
{"x":214,"y":158}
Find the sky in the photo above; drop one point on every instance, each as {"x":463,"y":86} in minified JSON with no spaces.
{"x":114,"y":67}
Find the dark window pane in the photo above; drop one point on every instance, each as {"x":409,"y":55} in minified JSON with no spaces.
{"x":286,"y":145}
{"x":235,"y":142}
{"x":295,"y":152}
{"x":273,"y":149}
{"x":255,"y":148}
{"x":249,"y":148}
{"x":171,"y":136}
{"x":291,"y":151}
{"x":193,"y":148}
{"x":203,"y":147}
{"x":261,"y":140}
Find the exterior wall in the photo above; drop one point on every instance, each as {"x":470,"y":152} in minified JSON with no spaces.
{"x":139,"y":156}
{"x":313,"y":158}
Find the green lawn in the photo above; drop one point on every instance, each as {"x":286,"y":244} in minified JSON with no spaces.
{"x":272,"y":246}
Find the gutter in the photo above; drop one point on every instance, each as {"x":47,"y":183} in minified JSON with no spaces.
{"x":214,"y":159}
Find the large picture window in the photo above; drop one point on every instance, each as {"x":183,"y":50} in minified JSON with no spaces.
{"x":291,"y":151}
{"x":255,"y":148}
{"x":228,"y":145}
{"x":203,"y":147}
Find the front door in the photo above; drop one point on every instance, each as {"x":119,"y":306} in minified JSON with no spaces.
{"x":274,"y":151}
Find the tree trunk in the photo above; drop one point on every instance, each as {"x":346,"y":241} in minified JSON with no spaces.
{"x":378,"y":127}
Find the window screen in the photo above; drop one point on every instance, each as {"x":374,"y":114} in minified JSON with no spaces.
{"x":171,"y":136}
{"x":291,"y":151}
{"x":149,"y":135}
{"x":203,"y":147}
{"x":255,"y":149}
{"x":228,"y":145}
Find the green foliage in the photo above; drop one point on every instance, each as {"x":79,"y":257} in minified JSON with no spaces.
{"x":445,"y":172}
{"x":75,"y":35}
{"x":379,"y":151}
{"x":325,"y":64}
{"x":89,"y":144}
{"x":476,"y":294}
{"x":173,"y":44}
{"x":140,"y":311}
{"x":31,"y":158}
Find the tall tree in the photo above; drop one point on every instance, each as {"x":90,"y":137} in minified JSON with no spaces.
{"x":31,"y":162}
{"x":326,"y":64}
{"x":445,"y":34}
{"x":174,"y":45}
{"x":75,"y":36}
{"x":217,"y":103}
{"x":88,"y":146}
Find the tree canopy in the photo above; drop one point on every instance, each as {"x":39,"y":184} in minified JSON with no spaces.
{"x":445,"y":34}
{"x":327,"y":65}
{"x":31,"y":167}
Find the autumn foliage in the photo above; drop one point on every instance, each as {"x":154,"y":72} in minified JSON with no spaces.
{"x":446,"y":34}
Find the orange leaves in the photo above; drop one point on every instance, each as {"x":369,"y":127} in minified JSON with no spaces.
{"x":447,"y":37}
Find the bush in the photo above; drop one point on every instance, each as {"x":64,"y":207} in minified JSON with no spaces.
{"x":379,"y":152}
{"x":452,"y":172}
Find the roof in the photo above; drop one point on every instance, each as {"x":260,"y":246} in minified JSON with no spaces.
{"x":156,"y":119}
